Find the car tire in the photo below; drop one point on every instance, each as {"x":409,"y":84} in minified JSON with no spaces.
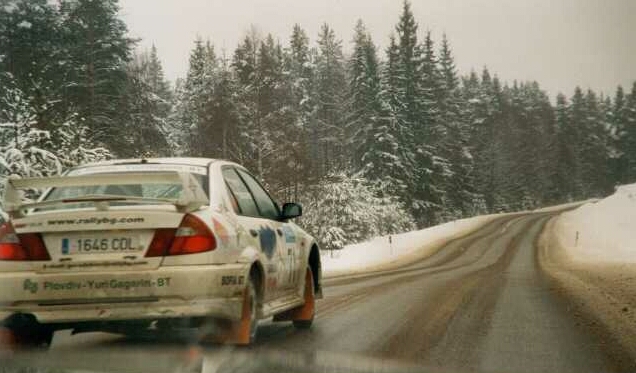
{"x":36,"y":336}
{"x":237,"y":332}
{"x":253,"y":305}
{"x":310,"y":298}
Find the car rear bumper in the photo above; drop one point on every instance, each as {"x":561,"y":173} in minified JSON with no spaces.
{"x":167,"y":292}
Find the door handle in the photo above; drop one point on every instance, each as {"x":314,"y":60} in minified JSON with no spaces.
{"x":254,"y":232}
{"x":280,"y":232}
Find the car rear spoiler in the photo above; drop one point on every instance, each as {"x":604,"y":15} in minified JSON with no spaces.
{"x":192,"y":195}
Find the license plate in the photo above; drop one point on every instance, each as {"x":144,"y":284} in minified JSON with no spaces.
{"x":100,"y":245}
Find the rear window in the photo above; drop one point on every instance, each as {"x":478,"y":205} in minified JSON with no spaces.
{"x":159,"y":191}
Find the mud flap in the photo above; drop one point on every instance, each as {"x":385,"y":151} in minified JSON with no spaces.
{"x":232,"y":332}
{"x":240,"y":331}
{"x":305,"y":312}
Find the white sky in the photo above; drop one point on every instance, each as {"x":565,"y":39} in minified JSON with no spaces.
{"x":559,"y":43}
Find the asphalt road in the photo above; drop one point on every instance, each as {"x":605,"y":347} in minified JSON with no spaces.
{"x":480,"y":303}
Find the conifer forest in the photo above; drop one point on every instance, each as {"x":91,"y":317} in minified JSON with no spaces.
{"x":370,"y":141}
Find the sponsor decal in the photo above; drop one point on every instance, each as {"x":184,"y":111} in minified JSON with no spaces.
{"x":27,"y":225}
{"x":30,"y":286}
{"x":113,"y":283}
{"x":96,"y":221}
{"x":268,"y":241}
{"x":232,"y":280}
{"x":290,"y":236}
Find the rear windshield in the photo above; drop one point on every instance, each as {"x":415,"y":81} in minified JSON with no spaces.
{"x":151,"y":191}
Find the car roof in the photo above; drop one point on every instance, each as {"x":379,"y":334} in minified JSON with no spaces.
{"x":181,"y":161}
{"x":194,"y":161}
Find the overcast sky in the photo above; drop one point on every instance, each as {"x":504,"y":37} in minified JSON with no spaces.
{"x":559,"y":43}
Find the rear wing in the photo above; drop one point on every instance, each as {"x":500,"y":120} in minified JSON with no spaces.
{"x":192,"y":195}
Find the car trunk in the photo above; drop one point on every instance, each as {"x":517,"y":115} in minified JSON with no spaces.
{"x":91,"y":240}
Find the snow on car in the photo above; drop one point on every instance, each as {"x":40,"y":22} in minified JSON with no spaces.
{"x":127,"y":245}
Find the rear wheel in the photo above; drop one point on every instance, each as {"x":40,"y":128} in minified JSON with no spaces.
{"x":252,"y":302}
{"x":34,"y":336}
{"x":241,"y":332}
{"x":305,"y":315}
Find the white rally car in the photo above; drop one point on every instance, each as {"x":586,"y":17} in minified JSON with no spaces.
{"x":130,"y":246}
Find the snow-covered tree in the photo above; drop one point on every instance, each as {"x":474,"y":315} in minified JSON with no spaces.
{"x":626,"y":137}
{"x":341,"y":210}
{"x":300,"y":67}
{"x":28,"y":151}
{"x":327,"y":133}
{"x":23,"y":147}
{"x":98,"y":49}
{"x":146,"y":107}
{"x":461,"y":197}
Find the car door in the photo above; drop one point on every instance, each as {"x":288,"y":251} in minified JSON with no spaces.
{"x":284,"y":245}
{"x":257,"y":229}
{"x":253,"y":230}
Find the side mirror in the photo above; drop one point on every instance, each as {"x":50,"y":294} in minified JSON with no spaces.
{"x":291,"y":210}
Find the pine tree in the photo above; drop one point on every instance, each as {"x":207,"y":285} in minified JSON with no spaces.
{"x":24,"y":148}
{"x":146,"y":109}
{"x":327,"y":133}
{"x":627,"y":139}
{"x":448,"y":73}
{"x":40,"y":129}
{"x":576,"y":134}
{"x":594,"y":149}
{"x":461,"y":197}
{"x":98,"y":50}
{"x":484,"y":114}
{"x":422,"y":195}
{"x":344,"y":209}
{"x":616,"y":132}
{"x":276,"y":120}
{"x":363,"y":95}
{"x":567,"y":152}
{"x":194,"y":99}
{"x":32,"y":59}
{"x":301,"y":68}
{"x":430,"y":131}
{"x":225,"y":136}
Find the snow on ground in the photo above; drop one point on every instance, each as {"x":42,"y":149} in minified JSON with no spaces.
{"x":601,"y":232}
{"x":378,"y":253}
{"x":565,"y":206}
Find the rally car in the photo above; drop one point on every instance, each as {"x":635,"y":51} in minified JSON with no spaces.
{"x":128,"y":246}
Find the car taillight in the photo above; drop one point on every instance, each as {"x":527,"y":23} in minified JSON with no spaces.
{"x":26,"y":246}
{"x":160,"y":243}
{"x":193,"y":236}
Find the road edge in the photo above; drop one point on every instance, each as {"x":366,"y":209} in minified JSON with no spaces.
{"x":586,"y":301}
{"x":421,"y":253}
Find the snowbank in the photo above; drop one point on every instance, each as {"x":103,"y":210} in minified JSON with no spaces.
{"x":601,"y":232}
{"x":378,"y":253}
{"x":565,"y":206}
